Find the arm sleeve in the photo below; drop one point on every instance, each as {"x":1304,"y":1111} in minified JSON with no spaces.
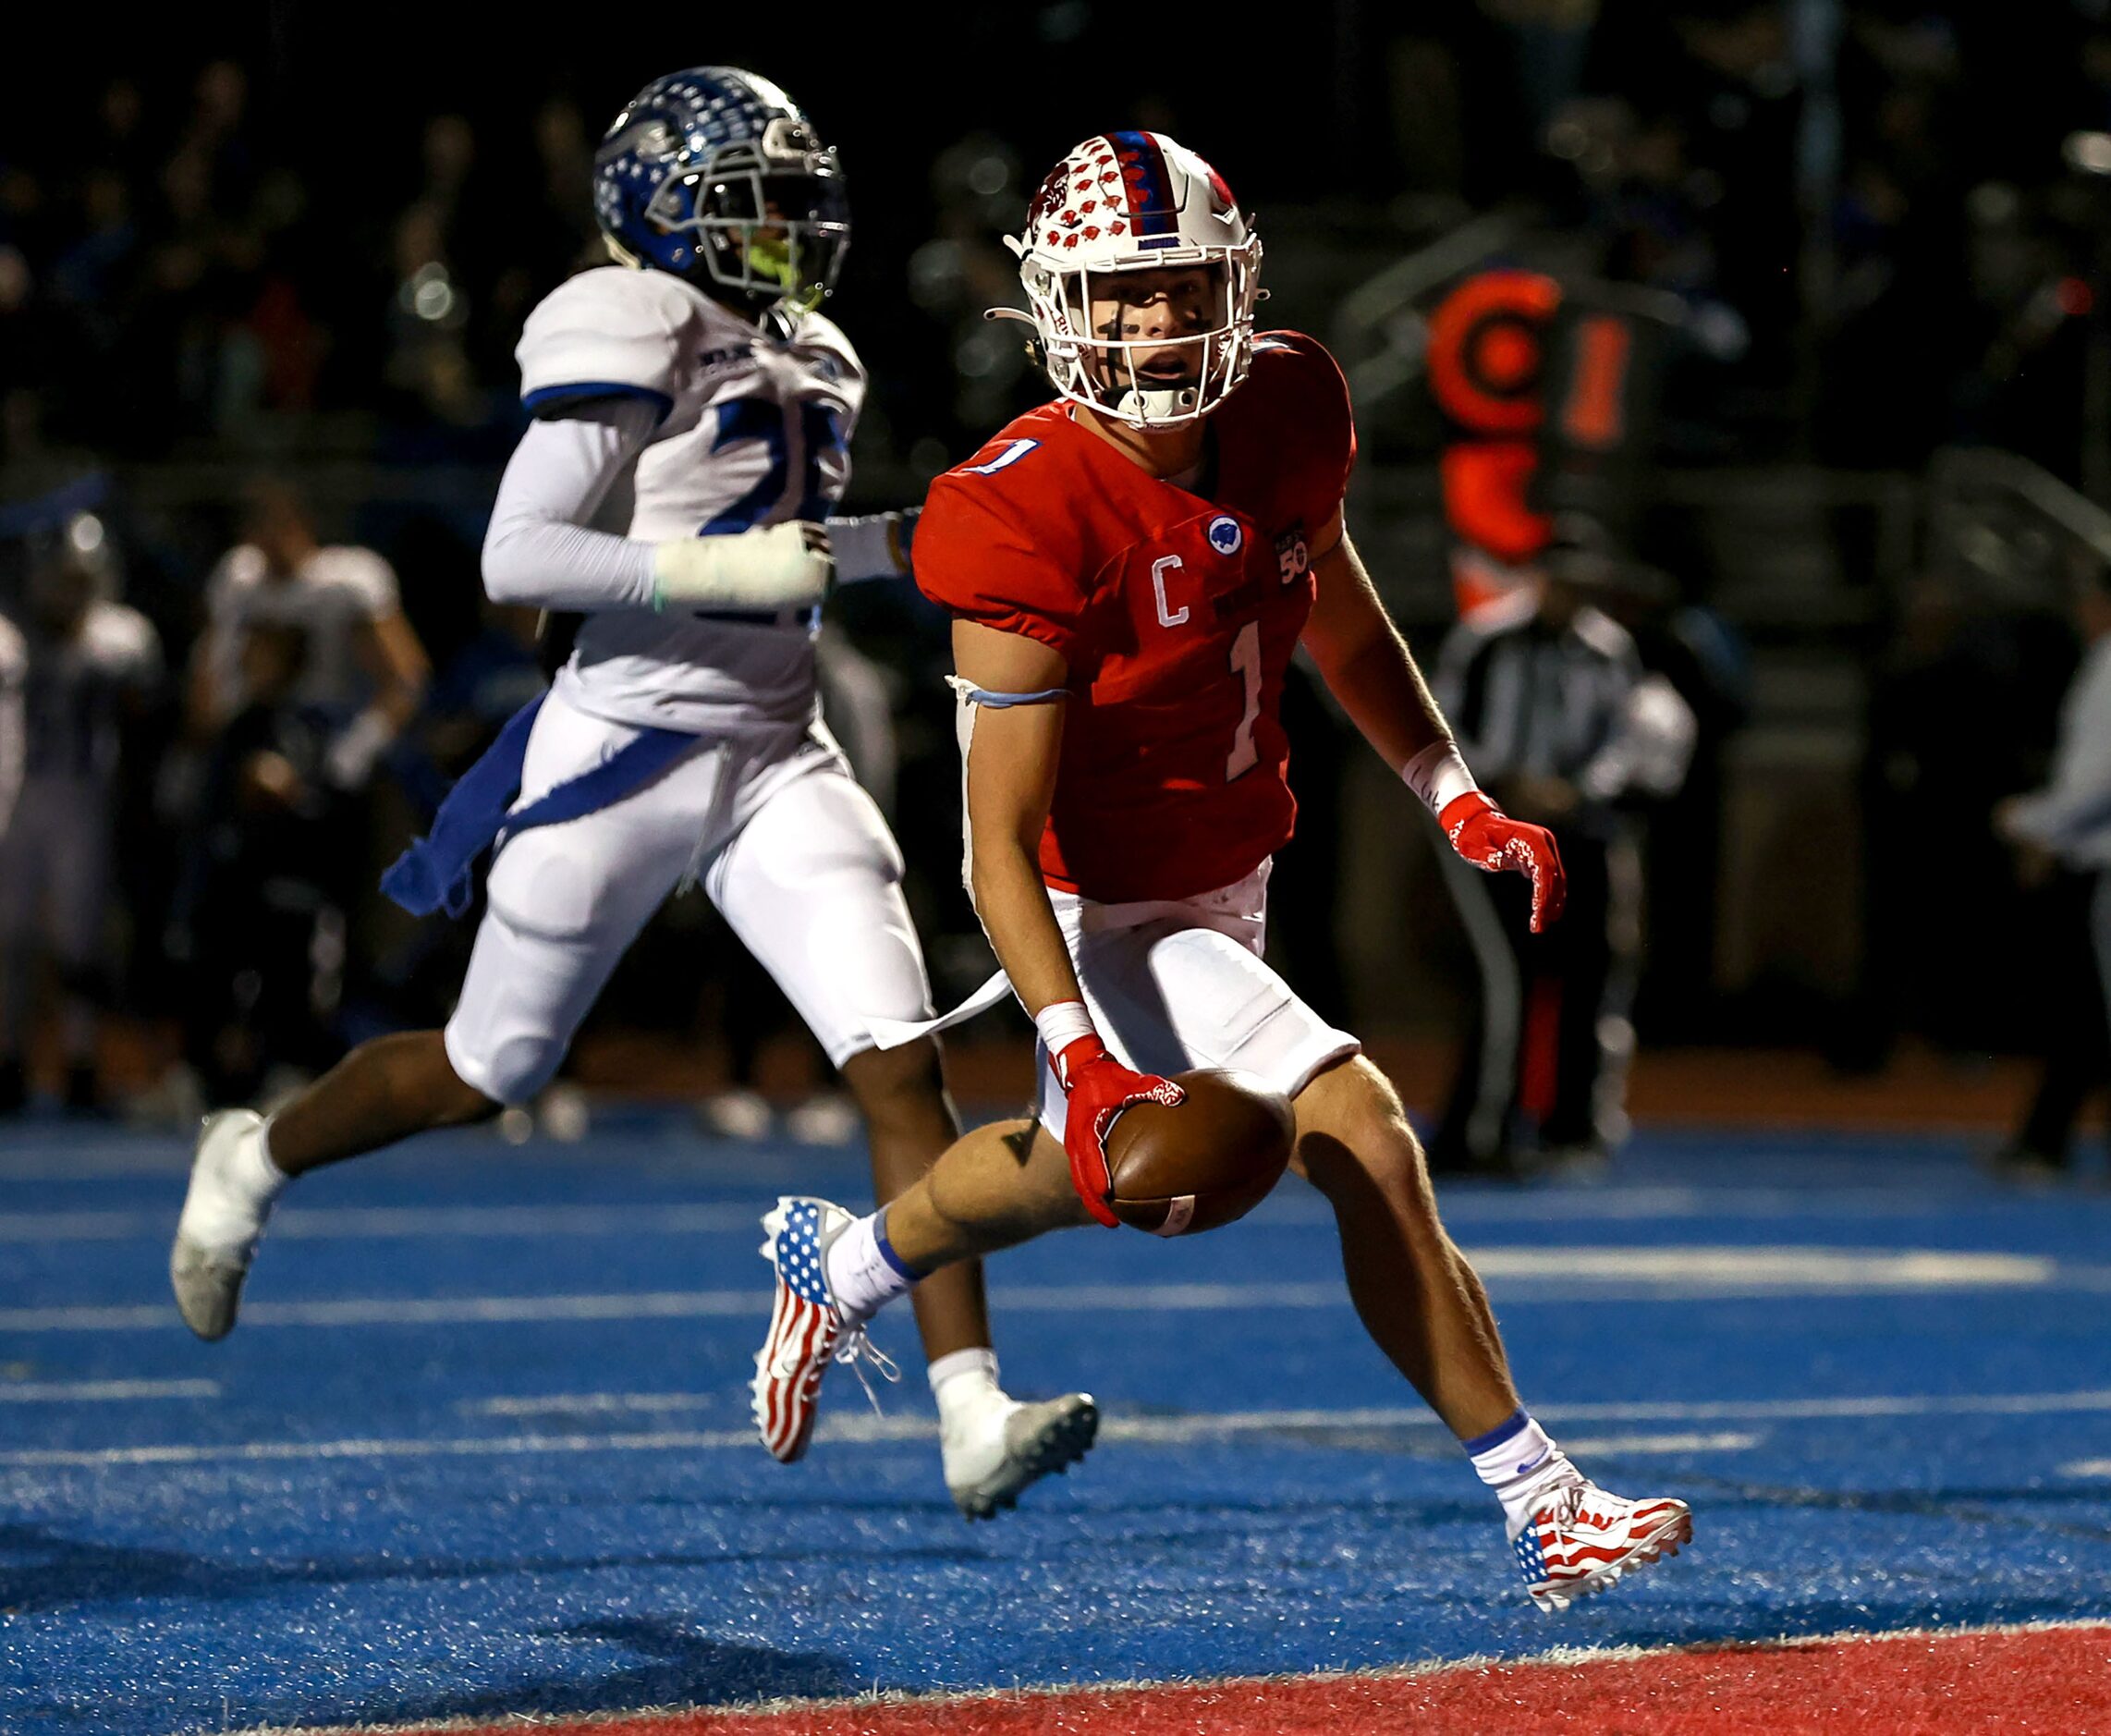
{"x":975,"y":560}
{"x":2076,"y":803}
{"x":538,"y":549}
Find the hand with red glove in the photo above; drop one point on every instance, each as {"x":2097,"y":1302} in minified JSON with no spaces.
{"x":1490,"y":839}
{"x":1098,"y":1089}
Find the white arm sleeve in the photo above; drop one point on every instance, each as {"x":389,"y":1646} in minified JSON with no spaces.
{"x":538,"y":549}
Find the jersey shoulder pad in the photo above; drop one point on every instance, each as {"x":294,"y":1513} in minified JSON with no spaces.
{"x":1296,"y":383}
{"x":999,"y":549}
{"x":237,"y":573}
{"x":123,"y":637}
{"x":610,"y":331}
{"x":818,"y":332}
{"x":1298,"y":369}
{"x":368,"y":579}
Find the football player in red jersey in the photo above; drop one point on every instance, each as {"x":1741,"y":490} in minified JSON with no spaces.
{"x":1130,"y":569}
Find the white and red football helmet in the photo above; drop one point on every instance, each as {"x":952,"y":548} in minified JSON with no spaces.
{"x":1127,"y":201}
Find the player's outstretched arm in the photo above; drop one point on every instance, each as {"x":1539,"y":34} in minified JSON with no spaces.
{"x":1367,"y":666}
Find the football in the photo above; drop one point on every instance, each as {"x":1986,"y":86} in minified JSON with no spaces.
{"x":1203,"y":1163}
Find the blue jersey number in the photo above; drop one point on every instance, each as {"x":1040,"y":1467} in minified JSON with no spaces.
{"x":821,"y":431}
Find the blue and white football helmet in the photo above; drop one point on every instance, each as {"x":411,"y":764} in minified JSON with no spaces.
{"x":717,"y":176}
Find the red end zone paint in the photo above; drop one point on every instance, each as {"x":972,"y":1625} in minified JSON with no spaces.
{"x":2054,"y":1680}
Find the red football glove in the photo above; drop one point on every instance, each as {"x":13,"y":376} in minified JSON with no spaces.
{"x":1099,"y":1088}
{"x":1489,"y":838}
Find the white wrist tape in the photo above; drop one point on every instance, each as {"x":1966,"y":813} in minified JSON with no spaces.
{"x":1062,"y":1023}
{"x":1438,"y":776}
{"x":773,"y":567}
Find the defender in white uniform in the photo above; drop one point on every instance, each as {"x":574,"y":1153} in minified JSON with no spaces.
{"x":84,"y":660}
{"x":693,"y":414}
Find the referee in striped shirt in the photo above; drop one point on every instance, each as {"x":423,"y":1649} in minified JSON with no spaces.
{"x":1562,"y":725}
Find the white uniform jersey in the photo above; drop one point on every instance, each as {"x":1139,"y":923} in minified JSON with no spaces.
{"x":334,"y":590}
{"x":754,"y":429}
{"x":71,"y":695}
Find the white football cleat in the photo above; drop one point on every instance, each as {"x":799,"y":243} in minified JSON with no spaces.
{"x":806,"y":1332}
{"x":216,"y":1236}
{"x":993,"y":1453}
{"x":1579,"y":1539}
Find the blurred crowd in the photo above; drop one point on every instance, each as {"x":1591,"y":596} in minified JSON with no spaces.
{"x":1874,"y":230}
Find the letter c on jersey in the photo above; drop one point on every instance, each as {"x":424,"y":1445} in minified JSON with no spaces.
{"x":1167,"y":615}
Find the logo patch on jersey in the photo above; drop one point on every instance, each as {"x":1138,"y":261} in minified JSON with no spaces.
{"x":1224,"y":535}
{"x":1011,"y":455}
{"x":1293,"y":558}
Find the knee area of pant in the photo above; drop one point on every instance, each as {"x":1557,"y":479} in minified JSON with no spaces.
{"x":514,"y":1071}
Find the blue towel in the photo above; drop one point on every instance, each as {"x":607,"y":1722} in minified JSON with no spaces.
{"x":438,"y":870}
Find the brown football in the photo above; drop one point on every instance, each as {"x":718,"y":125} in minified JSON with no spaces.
{"x":1196,"y":1165}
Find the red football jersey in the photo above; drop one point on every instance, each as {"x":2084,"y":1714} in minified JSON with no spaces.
{"x":1176,"y":612}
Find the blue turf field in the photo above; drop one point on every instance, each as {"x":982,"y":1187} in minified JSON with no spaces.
{"x":480,"y":1443}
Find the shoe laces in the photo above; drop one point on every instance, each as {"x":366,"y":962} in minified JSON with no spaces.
{"x":855,"y":1349}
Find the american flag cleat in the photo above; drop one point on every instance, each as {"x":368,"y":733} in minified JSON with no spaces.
{"x":1580,"y":1540}
{"x":807,"y":1333}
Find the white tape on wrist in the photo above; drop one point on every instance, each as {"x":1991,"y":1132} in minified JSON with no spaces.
{"x":1438,"y":776}
{"x":1062,"y":1023}
{"x":771,"y":567}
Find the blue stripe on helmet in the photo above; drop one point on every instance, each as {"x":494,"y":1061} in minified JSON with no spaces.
{"x":1151,"y":194}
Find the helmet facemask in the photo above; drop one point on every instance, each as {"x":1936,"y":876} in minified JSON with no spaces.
{"x":769,"y":219}
{"x":1099,"y":348}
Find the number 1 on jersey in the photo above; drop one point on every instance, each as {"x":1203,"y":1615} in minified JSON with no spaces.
{"x":1246,"y":663}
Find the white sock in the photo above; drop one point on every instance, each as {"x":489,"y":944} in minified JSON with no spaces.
{"x":964,"y":1381}
{"x":864,"y":1273}
{"x":255,"y":1168}
{"x":1518,"y":1461}
{"x":227,"y":1211}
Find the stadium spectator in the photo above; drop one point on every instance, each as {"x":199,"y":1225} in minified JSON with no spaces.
{"x":84,"y":659}
{"x":363,"y":665}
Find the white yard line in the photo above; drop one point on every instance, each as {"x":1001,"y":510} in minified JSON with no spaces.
{"x":1196,"y":1426}
{"x":1597,"y":1273}
{"x":861,"y":1429}
{"x":1302,"y":1209}
{"x":351,"y":1223}
{"x":104,"y":1391}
